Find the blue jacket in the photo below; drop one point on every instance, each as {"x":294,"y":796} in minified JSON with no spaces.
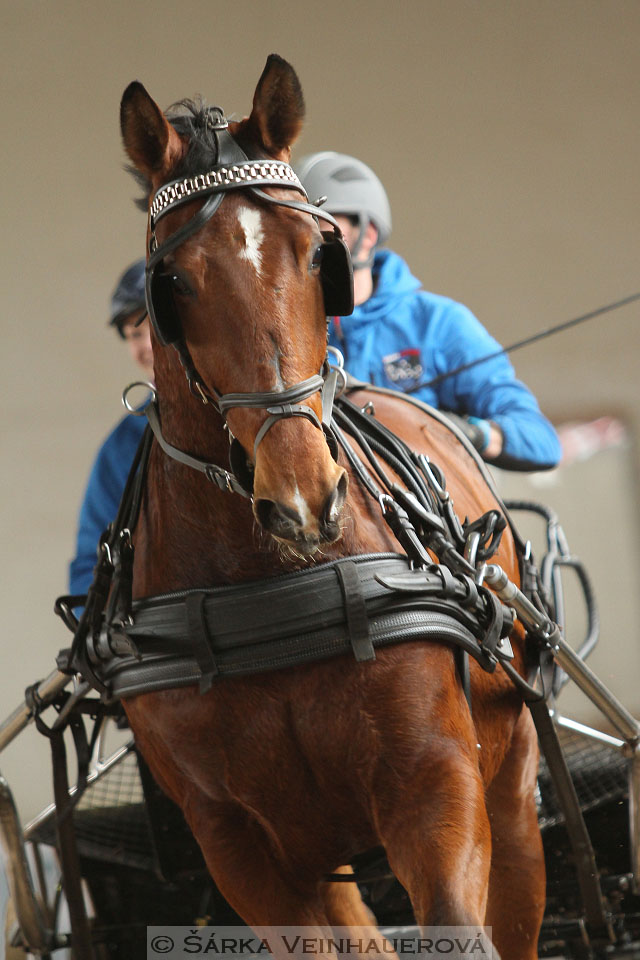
{"x":403,"y":336}
{"x":102,"y":497}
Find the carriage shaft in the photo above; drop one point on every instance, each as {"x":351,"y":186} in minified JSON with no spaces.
{"x":634,"y":819}
{"x":598,"y":693}
{"x":574,"y":666}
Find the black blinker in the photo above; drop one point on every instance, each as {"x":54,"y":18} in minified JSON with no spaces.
{"x":336,"y":273}
{"x":162,"y":308}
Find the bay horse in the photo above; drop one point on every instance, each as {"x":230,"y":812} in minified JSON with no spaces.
{"x":285,"y":776}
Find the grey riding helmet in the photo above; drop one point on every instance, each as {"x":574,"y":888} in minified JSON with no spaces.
{"x":128,"y":296}
{"x":351,"y":188}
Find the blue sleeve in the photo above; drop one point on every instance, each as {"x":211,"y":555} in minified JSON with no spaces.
{"x":102,"y":498}
{"x":491,"y":391}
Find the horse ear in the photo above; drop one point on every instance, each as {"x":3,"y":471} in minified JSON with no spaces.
{"x":278,"y":108}
{"x":149,"y":139}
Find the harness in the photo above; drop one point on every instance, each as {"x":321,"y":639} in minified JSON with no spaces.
{"x":353,"y":604}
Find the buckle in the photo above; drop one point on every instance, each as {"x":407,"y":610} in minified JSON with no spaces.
{"x":212,"y":473}
{"x":221,"y":478}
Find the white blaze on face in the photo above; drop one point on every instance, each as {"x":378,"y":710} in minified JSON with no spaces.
{"x":253,"y":236}
{"x":303,"y":509}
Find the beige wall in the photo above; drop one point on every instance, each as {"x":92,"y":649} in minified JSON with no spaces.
{"x":506,"y":133}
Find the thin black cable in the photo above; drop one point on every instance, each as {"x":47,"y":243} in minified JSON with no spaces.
{"x":524,"y":343}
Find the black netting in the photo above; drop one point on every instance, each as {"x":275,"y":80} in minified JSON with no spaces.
{"x":599,"y":773}
{"x":111,"y":819}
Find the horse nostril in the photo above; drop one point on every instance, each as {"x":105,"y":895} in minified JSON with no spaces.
{"x":277,"y":518}
{"x":330,"y":519}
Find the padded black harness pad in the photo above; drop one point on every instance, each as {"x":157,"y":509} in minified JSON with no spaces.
{"x":349,"y":606}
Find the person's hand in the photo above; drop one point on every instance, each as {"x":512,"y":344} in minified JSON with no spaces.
{"x":485,"y":435}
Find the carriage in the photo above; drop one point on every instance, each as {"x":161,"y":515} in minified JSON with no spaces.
{"x":338,"y":681}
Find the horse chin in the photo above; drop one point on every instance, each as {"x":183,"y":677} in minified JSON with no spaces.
{"x":302,"y":549}
{"x":306,"y":546}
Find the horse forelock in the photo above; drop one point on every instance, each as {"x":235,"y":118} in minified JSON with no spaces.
{"x":191,"y":119}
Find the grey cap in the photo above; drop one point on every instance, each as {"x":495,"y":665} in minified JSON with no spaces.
{"x":351,"y":188}
{"x":128,"y":295}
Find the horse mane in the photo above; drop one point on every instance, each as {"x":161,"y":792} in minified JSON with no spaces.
{"x":191,"y":118}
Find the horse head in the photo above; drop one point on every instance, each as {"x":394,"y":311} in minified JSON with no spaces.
{"x":237,"y":283}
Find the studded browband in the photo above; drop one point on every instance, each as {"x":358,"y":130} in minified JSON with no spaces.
{"x":253,"y":173}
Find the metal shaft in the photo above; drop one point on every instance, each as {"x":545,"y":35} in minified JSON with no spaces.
{"x":532,"y":618}
{"x":601,"y":696}
{"x":634,"y":818}
{"x":566,"y":657}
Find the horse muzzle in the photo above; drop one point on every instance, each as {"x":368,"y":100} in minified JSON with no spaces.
{"x":296,"y":523}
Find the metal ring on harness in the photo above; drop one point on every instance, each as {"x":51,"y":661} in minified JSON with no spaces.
{"x":151,"y":398}
{"x":338,"y":355}
{"x":339,"y":369}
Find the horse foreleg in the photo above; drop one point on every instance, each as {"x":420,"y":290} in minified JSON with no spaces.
{"x":254,"y":876}
{"x":441,"y":848}
{"x":517,"y":880}
{"x":349,"y":916}
{"x":344,"y":905}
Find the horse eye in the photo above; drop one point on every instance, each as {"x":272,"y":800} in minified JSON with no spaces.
{"x":179,"y":285}
{"x":318,"y":253}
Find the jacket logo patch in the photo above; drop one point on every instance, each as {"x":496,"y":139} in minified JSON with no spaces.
{"x":403,"y":367}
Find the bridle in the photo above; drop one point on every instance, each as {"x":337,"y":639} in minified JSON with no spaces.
{"x":235,"y":171}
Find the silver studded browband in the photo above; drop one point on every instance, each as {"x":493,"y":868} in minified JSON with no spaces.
{"x":251,"y":174}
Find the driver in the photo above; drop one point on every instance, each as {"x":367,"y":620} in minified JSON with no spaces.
{"x":114,"y":458}
{"x":400,"y":335}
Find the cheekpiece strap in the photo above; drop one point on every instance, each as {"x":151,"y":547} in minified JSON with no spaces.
{"x":222,"y":478}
